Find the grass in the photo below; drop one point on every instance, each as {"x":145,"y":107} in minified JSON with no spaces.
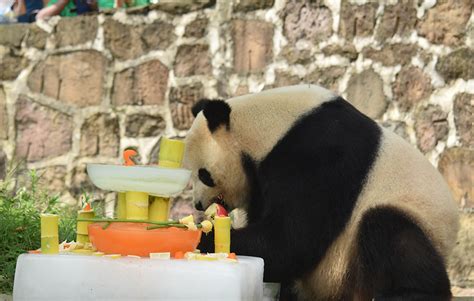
{"x":20,"y":210}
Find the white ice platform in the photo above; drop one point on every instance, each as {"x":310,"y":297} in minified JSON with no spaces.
{"x":76,"y":277}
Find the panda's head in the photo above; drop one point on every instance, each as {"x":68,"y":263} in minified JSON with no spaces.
{"x":229,"y":139}
{"x":215,"y":157}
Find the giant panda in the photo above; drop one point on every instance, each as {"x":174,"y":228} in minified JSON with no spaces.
{"x":338,"y":207}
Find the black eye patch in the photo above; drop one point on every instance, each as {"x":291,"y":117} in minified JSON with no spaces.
{"x":205,"y":177}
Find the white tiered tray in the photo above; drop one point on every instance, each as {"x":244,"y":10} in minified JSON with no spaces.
{"x":77,"y":277}
{"x":154,"y":180}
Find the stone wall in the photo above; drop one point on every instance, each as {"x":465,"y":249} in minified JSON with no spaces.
{"x":80,"y":90}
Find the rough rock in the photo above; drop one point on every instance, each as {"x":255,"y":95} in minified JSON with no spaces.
{"x":307,"y":20}
{"x":457,"y":64}
{"x":157,"y":36}
{"x":81,"y":183}
{"x":392,"y":55}
{"x":457,"y":166}
{"x":11,"y":35}
{"x":53,"y":178}
{"x":3,"y":116}
{"x":182,"y":7}
{"x":196,"y":29}
{"x":411,"y":86}
{"x":253,"y":45}
{"x":249,"y":5}
{"x":11,"y":65}
{"x":241,"y":90}
{"x":76,"y":78}
{"x":365,"y":92}
{"x":398,"y":19}
{"x":144,"y":125}
{"x":431,"y":126}
{"x":182,"y":100}
{"x":463,"y":114}
{"x":327,"y":77}
{"x":296,"y":56}
{"x":41,"y":132}
{"x":285,"y":79}
{"x":100,"y":136}
{"x":445,"y":23}
{"x":461,"y":261}
{"x":398,"y":127}
{"x":128,"y":41}
{"x":145,"y":84}
{"x":36,"y":37}
{"x":357,"y":20}
{"x":347,"y":50}
{"x":193,"y":60}
{"x":77,"y":30}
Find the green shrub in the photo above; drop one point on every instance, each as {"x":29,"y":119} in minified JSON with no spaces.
{"x":20,"y":211}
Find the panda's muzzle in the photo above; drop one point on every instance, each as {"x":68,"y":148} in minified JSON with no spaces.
{"x":219,"y":199}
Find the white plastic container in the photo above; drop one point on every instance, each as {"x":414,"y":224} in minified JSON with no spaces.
{"x":75,"y":277}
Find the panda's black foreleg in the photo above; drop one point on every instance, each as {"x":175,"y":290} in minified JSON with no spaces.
{"x":397,"y":261}
{"x":264,"y":240}
{"x":414,"y":297}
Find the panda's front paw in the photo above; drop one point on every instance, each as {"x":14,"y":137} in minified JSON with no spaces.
{"x":239,"y":218}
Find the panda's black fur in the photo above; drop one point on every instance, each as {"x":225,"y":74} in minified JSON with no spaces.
{"x":307,"y":187}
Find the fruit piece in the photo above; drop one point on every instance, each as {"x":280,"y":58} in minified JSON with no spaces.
{"x":206,"y":226}
{"x":187,"y":219}
{"x":215,"y":210}
{"x":87,"y":207}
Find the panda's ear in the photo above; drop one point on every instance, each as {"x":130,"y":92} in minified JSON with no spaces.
{"x":216,"y":111}
{"x":199,"y":106}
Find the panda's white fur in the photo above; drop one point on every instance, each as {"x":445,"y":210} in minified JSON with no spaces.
{"x":398,"y":177}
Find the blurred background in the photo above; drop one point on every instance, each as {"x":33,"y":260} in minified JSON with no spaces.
{"x":81,"y":89}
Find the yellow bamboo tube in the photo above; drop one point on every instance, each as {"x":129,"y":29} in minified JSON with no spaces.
{"x":171,"y":153}
{"x":49,"y":234}
{"x":82,"y":238}
{"x":121,"y":206}
{"x":82,"y":226}
{"x":222,"y":234}
{"x":159,"y":209}
{"x":137,"y":205}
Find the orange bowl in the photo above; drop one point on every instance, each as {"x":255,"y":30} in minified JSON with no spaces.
{"x":135,"y":239}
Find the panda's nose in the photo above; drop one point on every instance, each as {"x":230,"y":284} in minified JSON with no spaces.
{"x":198,"y":206}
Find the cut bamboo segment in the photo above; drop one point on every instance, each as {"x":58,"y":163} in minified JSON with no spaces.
{"x":49,"y":225}
{"x":82,"y":238}
{"x":222,"y":234}
{"x":137,"y":205}
{"x":121,"y":206}
{"x":159,"y":209}
{"x":49,"y":234}
{"x":171,"y":153}
{"x":82,"y":226}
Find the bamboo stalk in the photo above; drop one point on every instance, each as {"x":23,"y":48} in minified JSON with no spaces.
{"x":171,"y":225}
{"x":119,"y":220}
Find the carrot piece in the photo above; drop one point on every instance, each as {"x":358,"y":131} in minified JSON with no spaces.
{"x":232,"y":256}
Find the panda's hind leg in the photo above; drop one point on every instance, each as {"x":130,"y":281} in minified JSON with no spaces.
{"x":396,"y":261}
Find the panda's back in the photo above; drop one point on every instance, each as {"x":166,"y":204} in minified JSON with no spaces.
{"x":400,"y":178}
